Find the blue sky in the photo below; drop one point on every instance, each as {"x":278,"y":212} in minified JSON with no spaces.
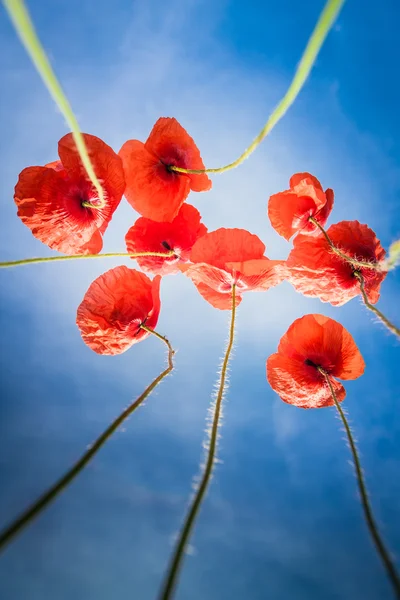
{"x":282,"y":517}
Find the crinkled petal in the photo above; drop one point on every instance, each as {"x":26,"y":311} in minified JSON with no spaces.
{"x":305,"y":184}
{"x":222,"y":301}
{"x":227,"y":245}
{"x":152,"y":190}
{"x":259,"y":274}
{"x":304,"y":388}
{"x":173,"y":145}
{"x":289,"y":213}
{"x":115,"y":306}
{"x":326,"y":343}
{"x":179,"y":235}
{"x":314,"y":270}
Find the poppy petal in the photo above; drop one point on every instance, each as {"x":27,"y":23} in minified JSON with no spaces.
{"x":259,"y":274}
{"x":314,"y":270}
{"x":286,"y":377}
{"x":305,"y":184}
{"x":173,"y":145}
{"x":152,"y":190}
{"x":179,"y":235}
{"x":289,"y":213}
{"x":227,"y":245}
{"x":222,"y":301}
{"x":115,"y":306}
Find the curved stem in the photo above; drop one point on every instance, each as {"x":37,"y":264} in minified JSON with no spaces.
{"x":373,"y":308}
{"x":343,"y":255}
{"x":321,"y":30}
{"x":7,"y":534}
{"x":28,"y":261}
{"x":178,"y":555}
{"x":27,"y":34}
{"x":369,"y":518}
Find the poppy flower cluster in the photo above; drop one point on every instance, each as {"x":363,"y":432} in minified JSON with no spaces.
{"x":327,"y":265}
{"x":122,"y":306}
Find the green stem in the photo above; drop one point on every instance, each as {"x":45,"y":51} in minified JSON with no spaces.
{"x":353,"y":261}
{"x":373,"y":308}
{"x":26,"y":31}
{"x":178,"y":555}
{"x":369,"y":518}
{"x":322,"y":28}
{"x":393,"y":259}
{"x":7,"y":534}
{"x":28,"y":261}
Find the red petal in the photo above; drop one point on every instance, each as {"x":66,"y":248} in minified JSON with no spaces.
{"x":326,"y":343}
{"x":288,"y":378}
{"x":115,"y":306}
{"x":315,"y":271}
{"x":227,"y":245}
{"x":151,"y":189}
{"x":289,"y":213}
{"x":222,"y":301}
{"x":305,"y":184}
{"x":40,"y":197}
{"x":173,"y":145}
{"x":179,"y":235}
{"x":106,"y":164}
{"x":259,"y":274}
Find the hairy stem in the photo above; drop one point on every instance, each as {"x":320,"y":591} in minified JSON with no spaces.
{"x":7,"y":534}
{"x":343,"y":255}
{"x":27,"y":34}
{"x":179,"y":551}
{"x":368,"y":515}
{"x":28,"y":261}
{"x":373,"y":308}
{"x":321,"y":30}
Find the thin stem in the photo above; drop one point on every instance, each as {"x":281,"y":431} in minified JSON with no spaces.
{"x":171,"y":578}
{"x":51,"y":494}
{"x":19,"y":15}
{"x":321,"y":30}
{"x":373,"y":308}
{"x":369,"y":518}
{"x":353,"y":261}
{"x":28,"y":261}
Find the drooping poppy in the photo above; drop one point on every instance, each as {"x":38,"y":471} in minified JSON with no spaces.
{"x":152,"y":236}
{"x":50,"y":199}
{"x":310,"y":342}
{"x":289,"y":211}
{"x":314,"y":270}
{"x":113,"y":310}
{"x":152,"y":188}
{"x":225,"y":257}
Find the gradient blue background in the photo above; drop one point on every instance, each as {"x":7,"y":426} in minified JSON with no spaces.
{"x":282,"y":518}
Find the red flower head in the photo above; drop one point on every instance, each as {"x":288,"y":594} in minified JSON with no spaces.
{"x":152,"y":188}
{"x":231,"y":256}
{"x":50,"y":199}
{"x":115,"y":307}
{"x":152,"y":236}
{"x":310,"y":342}
{"x":314,"y":270}
{"x":290,"y":210}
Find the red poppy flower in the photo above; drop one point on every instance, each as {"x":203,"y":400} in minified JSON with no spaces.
{"x":289,"y":211}
{"x":152,"y":236}
{"x":152,"y":188}
{"x":225,"y":257}
{"x":314,"y":270}
{"x":115,"y":307}
{"x":50,"y":198}
{"x":310,"y":342}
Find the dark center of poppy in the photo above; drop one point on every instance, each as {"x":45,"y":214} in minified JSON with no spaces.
{"x":310,"y":363}
{"x":166,"y":245}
